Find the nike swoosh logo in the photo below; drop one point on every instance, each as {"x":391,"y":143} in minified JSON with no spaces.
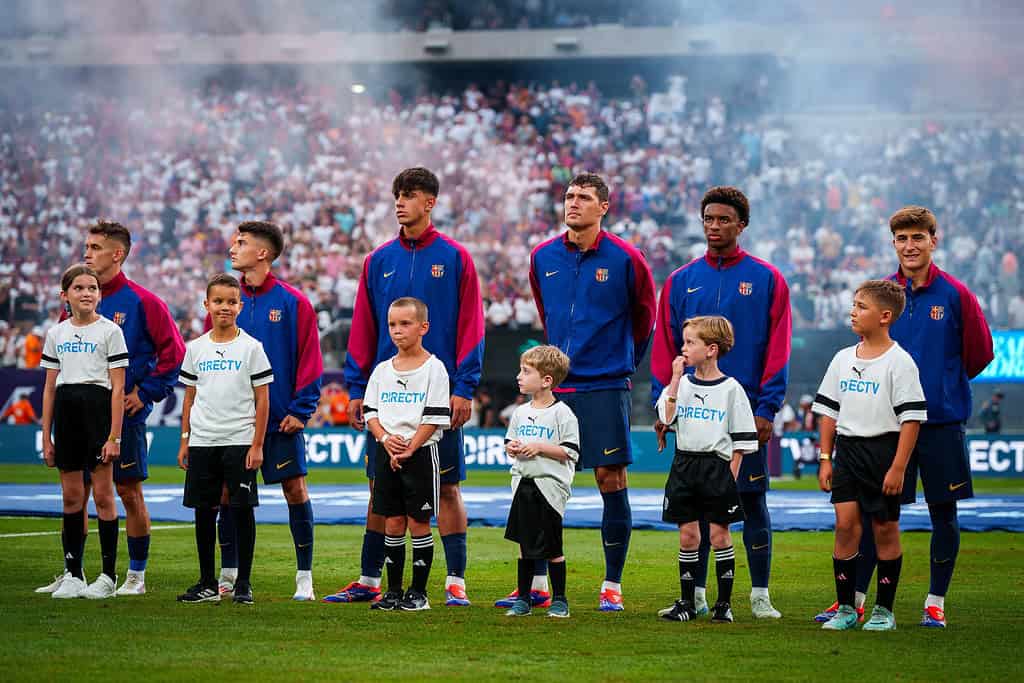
{"x":549,"y":273}
{"x":609,"y":451}
{"x":126,"y":465}
{"x":611,"y":545}
{"x":282,"y":465}
{"x":303,"y":545}
{"x":447,"y":470}
{"x":387,"y":275}
{"x":954,"y":487}
{"x":691,"y":291}
{"x":759,"y":547}
{"x":753,"y":478}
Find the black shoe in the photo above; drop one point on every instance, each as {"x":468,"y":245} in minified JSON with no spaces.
{"x":721,"y":613}
{"x":680,"y":610}
{"x":201,"y":593}
{"x":414,"y":601}
{"x":388,"y":602}
{"x":243,"y":594}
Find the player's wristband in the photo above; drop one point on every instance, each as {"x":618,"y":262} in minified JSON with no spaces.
{"x":184,"y":435}
{"x":115,"y":439}
{"x":670,"y":399}
{"x":824,"y":457}
{"x":382,"y":440}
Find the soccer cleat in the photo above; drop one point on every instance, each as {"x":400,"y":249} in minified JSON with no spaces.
{"x":70,"y":587}
{"x":388,"y":602}
{"x":414,"y":601}
{"x":844,"y":619}
{"x":520,"y":608}
{"x":304,"y":586}
{"x":822,"y":617}
{"x":722,"y":613}
{"x":355,"y":592}
{"x":881,"y":620}
{"x":51,"y":587}
{"x":762,"y":608}
{"x":559,"y":609}
{"x":102,"y":588}
{"x":933,"y":617}
{"x":455,"y":596}
{"x":225,"y":586}
{"x":134,"y":584}
{"x":243,"y":594}
{"x":701,"y":607}
{"x":200,"y":593}
{"x":611,"y":601}
{"x":538,"y":598}
{"x":680,"y":610}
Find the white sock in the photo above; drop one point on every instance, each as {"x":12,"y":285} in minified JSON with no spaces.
{"x":371,"y":581}
{"x":451,"y":581}
{"x":935,"y":601}
{"x":229,"y":573}
{"x":141,"y":574}
{"x":303,"y":574}
{"x":540,"y":583}
{"x":700,"y":595}
{"x":611,"y":586}
{"x":859,"y":599}
{"x":758,"y":592}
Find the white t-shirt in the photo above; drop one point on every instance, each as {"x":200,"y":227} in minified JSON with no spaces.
{"x":224,"y":375}
{"x":710,"y":417}
{"x":871,"y":397}
{"x":84,"y":355}
{"x":557,"y":425}
{"x":403,"y":401}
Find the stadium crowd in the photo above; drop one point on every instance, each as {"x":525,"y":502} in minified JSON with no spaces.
{"x":181,"y":173}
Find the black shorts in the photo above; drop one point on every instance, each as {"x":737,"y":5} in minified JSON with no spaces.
{"x":701,"y":486}
{"x":81,"y":425}
{"x":210,"y":468}
{"x":412,"y":491}
{"x":859,"y":470}
{"x":534,"y":524}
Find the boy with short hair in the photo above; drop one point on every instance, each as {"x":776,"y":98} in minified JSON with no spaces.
{"x":407,"y":409}
{"x":226,"y":374}
{"x":714,"y":430}
{"x":543,"y":438}
{"x":872,"y":396}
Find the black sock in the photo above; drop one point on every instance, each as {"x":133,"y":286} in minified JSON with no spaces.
{"x":688,"y":564}
{"x":888,"y":579}
{"x":422,"y":558}
{"x":846,"y":580}
{"x":394,"y":561}
{"x":245,"y":532}
{"x":725,"y":570}
{"x":206,"y":544}
{"x":108,"y":546}
{"x":524,"y":579}
{"x":557,"y":572}
{"x":85,"y":537}
{"x":71,"y":535}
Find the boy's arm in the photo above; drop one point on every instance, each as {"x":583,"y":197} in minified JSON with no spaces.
{"x":254,"y":458}
{"x":826,"y":439}
{"x":186,"y":376}
{"x":893,"y":483}
{"x":112,"y":448}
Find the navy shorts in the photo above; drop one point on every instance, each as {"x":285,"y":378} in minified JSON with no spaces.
{"x":753,"y":477}
{"x":284,"y":457}
{"x":604,"y":426}
{"x":942,"y":459}
{"x":133,"y":465}
{"x":451,"y":452}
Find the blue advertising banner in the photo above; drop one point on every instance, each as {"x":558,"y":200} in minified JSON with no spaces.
{"x":1008,"y":365}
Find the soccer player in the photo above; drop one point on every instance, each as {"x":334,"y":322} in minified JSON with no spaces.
{"x":155,"y":350}
{"x":407,"y":406}
{"x":282,"y":319}
{"x":83,"y":407}
{"x":543,"y":440}
{"x":871,"y":395}
{"x":434,"y":268}
{"x":226,"y":374}
{"x":595,"y":296}
{"x":945,"y":332}
{"x":753,"y":296}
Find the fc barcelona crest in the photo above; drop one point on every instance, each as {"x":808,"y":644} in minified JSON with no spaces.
{"x":119,"y":318}
{"x":437,"y":270}
{"x":938,"y":312}
{"x":746,"y":288}
{"x":601,"y":275}
{"x":275,"y":315}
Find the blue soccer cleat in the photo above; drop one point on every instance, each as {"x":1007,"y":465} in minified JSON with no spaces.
{"x":611,"y":601}
{"x":455,"y":596}
{"x":355,"y":592}
{"x":538,"y":598}
{"x":933,"y":617}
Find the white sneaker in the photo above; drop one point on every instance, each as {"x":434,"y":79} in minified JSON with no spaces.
{"x":102,"y":588}
{"x":52,"y":587}
{"x":134,"y":584}
{"x":304,"y":586}
{"x":762,"y":608}
{"x":226,"y":582}
{"x":70,"y":587}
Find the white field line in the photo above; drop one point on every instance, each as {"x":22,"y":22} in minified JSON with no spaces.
{"x":57,"y":533}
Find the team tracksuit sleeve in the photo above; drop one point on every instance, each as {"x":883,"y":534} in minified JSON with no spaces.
{"x":666,"y":343}
{"x":977,"y":337}
{"x":469,"y":346}
{"x":826,"y":402}
{"x":309,"y":368}
{"x":907,"y":394}
{"x":742,"y":430}
{"x":169,"y":347}
{"x":537,"y":297}
{"x":437,"y":406}
{"x":362,"y":339}
{"x":776,"y":359}
{"x":644,"y":306}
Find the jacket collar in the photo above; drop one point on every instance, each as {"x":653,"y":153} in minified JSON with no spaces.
{"x":933,"y":272}
{"x":572,"y":245}
{"x":428,"y":236}
{"x":116,"y":283}
{"x":728,"y":260}
{"x":264,"y":287}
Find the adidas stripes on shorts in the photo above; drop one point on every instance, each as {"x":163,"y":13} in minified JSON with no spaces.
{"x":412,"y":491}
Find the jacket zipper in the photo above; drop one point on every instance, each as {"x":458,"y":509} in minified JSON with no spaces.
{"x":572,"y":301}
{"x":412,"y":268}
{"x":718,"y":297}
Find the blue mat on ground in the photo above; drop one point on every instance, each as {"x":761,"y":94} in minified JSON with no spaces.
{"x":790,"y":510}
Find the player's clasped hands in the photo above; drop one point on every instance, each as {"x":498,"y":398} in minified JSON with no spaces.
{"x":522,"y":451}
{"x":398,"y":448}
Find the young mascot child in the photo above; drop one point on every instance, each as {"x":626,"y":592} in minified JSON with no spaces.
{"x":543,"y":437}
{"x":714,"y":430}
{"x":872,"y":396}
